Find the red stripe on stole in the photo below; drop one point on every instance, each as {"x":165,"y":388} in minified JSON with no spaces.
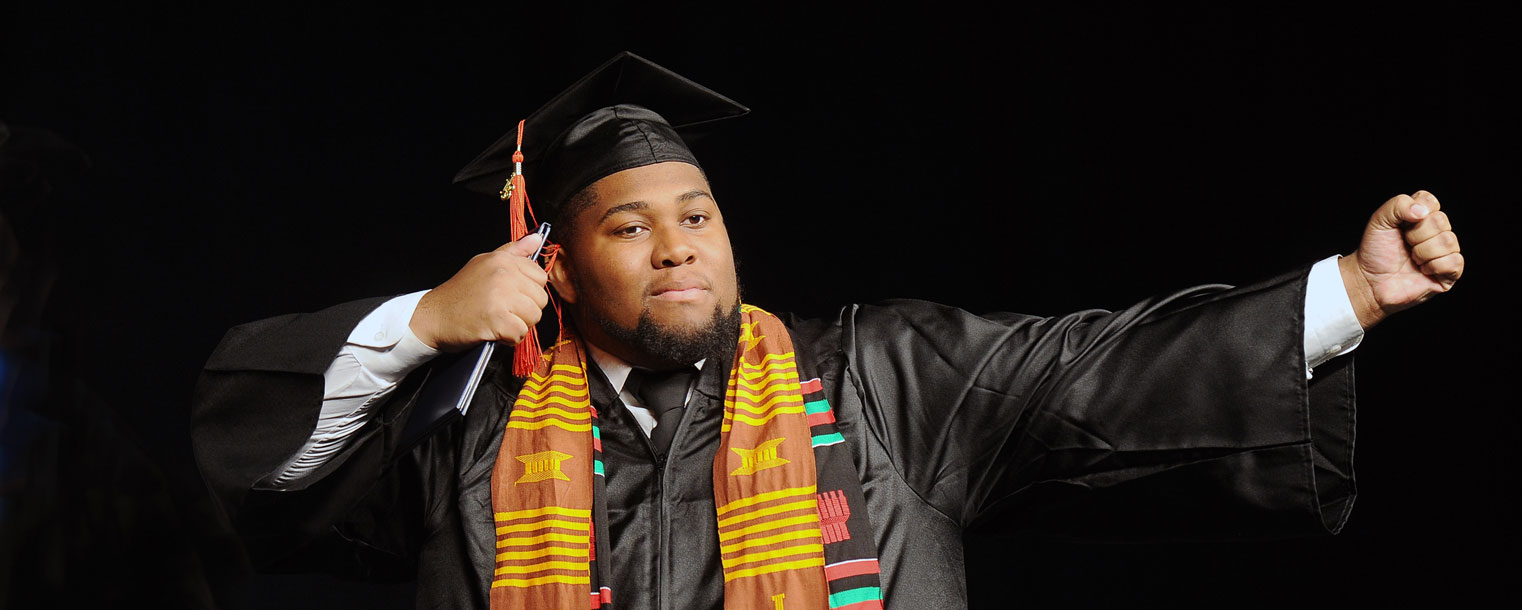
{"x":871,"y":604}
{"x":817,"y":419}
{"x":602,"y":597}
{"x":597,"y":443}
{"x":812,"y":385}
{"x":855,"y":568}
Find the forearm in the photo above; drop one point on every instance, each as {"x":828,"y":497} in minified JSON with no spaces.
{"x":380,"y":352}
{"x":1360,"y":294}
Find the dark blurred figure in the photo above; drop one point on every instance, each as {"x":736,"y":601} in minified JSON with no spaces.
{"x":85,"y":517}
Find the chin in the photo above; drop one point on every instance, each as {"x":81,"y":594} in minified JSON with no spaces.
{"x":691,"y":335}
{"x":690,"y":321}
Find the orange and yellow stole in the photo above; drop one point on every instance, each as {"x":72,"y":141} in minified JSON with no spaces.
{"x":783,"y":543}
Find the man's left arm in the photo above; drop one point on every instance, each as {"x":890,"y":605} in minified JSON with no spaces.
{"x":1202,"y":391}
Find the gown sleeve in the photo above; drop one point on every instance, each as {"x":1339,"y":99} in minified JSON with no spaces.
{"x":1185,"y":416}
{"x":256,"y":402}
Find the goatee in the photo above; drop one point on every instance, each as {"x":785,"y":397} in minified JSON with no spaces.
{"x":671,"y":347}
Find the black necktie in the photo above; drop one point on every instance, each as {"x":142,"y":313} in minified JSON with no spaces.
{"x":663,"y":393}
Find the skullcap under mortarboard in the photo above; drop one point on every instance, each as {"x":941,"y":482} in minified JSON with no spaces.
{"x":627,"y":113}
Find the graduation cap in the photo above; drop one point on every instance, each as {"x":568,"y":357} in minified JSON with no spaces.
{"x":626,"y":113}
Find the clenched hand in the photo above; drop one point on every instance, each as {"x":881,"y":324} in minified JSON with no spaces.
{"x":497,"y":296}
{"x":1408,"y":254}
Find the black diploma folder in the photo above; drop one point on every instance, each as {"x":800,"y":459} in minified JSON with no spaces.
{"x":446,"y":392}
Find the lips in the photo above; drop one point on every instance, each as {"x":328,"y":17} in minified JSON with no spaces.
{"x":679,"y":289}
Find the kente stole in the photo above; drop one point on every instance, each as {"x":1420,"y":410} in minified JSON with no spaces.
{"x":792,"y":521}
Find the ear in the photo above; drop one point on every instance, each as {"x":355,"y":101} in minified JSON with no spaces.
{"x":560,"y":278}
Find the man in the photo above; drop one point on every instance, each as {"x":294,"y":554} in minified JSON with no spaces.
{"x":788,"y":463}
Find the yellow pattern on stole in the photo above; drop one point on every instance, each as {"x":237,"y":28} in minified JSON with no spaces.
{"x":553,"y":538}
{"x":542,"y":466}
{"x":762,"y":457}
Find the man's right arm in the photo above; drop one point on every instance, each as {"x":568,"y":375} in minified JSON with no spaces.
{"x":256,"y":427}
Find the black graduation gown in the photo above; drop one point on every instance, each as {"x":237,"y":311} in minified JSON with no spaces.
{"x":1185,"y":416}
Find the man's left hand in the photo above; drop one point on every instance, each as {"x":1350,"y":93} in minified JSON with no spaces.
{"x":1408,"y":254}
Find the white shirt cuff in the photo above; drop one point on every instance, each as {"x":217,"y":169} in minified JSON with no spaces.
{"x":381,"y":351}
{"x":387,"y":331}
{"x":1331,"y":326}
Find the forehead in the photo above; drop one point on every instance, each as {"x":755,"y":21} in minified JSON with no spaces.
{"x":652,"y":184}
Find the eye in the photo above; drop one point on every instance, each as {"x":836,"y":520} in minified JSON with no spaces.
{"x":695,"y":220}
{"x":629,"y":231}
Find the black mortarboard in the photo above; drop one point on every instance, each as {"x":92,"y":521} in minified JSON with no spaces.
{"x":627,"y":113}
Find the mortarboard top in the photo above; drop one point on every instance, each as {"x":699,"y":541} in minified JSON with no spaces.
{"x":627,"y":113}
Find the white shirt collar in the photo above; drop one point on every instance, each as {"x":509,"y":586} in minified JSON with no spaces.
{"x":616,"y":370}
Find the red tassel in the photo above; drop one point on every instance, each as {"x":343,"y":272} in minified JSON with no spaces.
{"x":516,"y":193}
{"x":518,"y":204}
{"x":526,"y":353}
{"x":551,"y":254}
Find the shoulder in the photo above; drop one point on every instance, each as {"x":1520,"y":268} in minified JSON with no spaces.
{"x":894,"y":319}
{"x":894,"y":322}
{"x":858,"y":314}
{"x":300,"y":342}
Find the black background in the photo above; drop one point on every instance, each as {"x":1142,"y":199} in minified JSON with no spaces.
{"x":252,"y":162}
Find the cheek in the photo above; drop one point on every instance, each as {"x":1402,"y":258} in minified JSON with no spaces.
{"x":613,"y":289}
{"x":728,"y":279}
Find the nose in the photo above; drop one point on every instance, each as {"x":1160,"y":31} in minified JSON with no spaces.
{"x":673,"y":248}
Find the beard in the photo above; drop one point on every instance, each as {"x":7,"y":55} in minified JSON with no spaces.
{"x":673,"y":347}
{"x":669,"y":347}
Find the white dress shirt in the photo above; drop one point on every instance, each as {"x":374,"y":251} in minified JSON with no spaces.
{"x":617,"y":372}
{"x":382,"y":350}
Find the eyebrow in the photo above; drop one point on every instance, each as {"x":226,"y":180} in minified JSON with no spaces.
{"x":641,"y":205}
{"x":693,"y":194}
{"x":624,"y":207}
